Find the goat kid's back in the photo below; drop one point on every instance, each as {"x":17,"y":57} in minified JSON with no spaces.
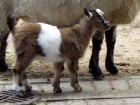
{"x":41,"y":39}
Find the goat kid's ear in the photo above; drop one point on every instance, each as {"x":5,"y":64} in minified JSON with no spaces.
{"x":87,"y":13}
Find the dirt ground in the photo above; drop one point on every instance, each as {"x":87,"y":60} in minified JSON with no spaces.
{"x":126,"y":56}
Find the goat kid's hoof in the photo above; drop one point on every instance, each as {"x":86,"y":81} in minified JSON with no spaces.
{"x":28,"y":89}
{"x":21,"y":93}
{"x":78,"y":89}
{"x":57,"y":90}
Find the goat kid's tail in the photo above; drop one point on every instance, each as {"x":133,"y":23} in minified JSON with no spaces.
{"x":11,"y":22}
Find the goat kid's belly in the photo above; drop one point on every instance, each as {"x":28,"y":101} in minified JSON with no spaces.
{"x":50,"y":58}
{"x":50,"y":40}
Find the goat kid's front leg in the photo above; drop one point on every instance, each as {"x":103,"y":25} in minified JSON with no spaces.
{"x":59,"y":67}
{"x":73,"y":68}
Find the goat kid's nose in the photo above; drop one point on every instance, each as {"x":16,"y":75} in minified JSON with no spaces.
{"x":108,"y":25}
{"x":107,"y":22}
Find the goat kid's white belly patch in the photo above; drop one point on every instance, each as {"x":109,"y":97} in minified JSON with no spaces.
{"x":49,"y":40}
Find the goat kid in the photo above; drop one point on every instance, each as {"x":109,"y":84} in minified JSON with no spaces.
{"x":57,"y":45}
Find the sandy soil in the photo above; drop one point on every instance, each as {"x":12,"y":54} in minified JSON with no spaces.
{"x":126,"y":56}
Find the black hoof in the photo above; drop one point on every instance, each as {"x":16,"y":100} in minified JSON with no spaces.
{"x":97,"y":74}
{"x":99,"y":78}
{"x":111,"y":67}
{"x":112,"y":70}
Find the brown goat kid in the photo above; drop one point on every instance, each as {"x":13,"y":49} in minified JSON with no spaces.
{"x":57,"y":45}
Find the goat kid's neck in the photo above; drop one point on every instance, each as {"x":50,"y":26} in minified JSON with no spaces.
{"x":86,"y":29}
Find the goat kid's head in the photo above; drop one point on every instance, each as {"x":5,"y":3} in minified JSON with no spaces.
{"x":96,"y":17}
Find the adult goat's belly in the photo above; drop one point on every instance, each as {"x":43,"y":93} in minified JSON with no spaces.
{"x":49,"y":40}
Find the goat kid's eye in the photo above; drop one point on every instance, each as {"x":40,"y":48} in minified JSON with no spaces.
{"x":100,"y":19}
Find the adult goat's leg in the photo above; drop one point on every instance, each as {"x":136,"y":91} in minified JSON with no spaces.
{"x":73,"y":68}
{"x":94,"y":68}
{"x":3,"y":45}
{"x":110,"y":41}
{"x":59,"y":67}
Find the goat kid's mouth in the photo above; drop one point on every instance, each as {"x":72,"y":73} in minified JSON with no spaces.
{"x":107,"y":25}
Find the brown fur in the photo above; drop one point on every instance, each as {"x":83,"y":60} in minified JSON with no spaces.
{"x":75,"y":40}
{"x":24,"y":36}
{"x":25,"y":43}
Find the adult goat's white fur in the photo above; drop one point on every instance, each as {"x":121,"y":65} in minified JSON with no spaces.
{"x":52,"y":11}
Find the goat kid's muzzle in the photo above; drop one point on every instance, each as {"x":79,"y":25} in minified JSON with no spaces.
{"x":107,"y":25}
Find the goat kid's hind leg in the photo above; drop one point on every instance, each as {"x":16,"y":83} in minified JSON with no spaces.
{"x":25,"y":82}
{"x":19,"y":77}
{"x":20,"y":80}
{"x":94,"y":68}
{"x":17,"y":85}
{"x":59,"y":67}
{"x":73,"y":68}
{"x":110,"y":41}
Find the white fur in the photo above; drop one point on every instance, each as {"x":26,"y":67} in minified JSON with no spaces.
{"x":58,"y":12}
{"x":49,"y":40}
{"x":90,"y":15}
{"x":15,"y":83}
{"x":99,"y":12}
{"x":26,"y":83}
